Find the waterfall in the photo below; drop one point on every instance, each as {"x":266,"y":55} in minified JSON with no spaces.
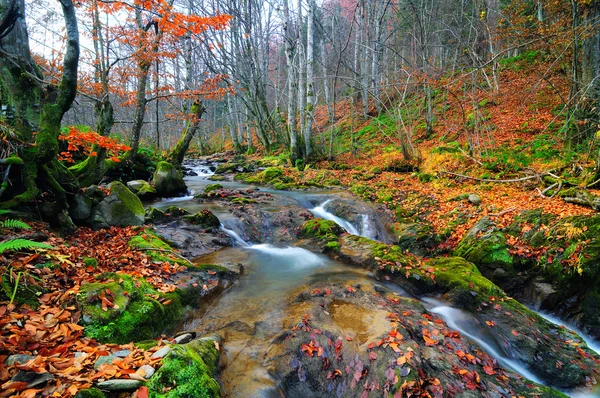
{"x":202,"y":171}
{"x":235,"y":237}
{"x":366,"y":228}
{"x":295,"y":257}
{"x":320,"y":211}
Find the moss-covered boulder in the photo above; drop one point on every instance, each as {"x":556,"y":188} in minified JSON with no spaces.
{"x":142,"y":188}
{"x":90,"y":393}
{"x":204,"y":218}
{"x":325,"y":231}
{"x":417,"y":238}
{"x":168,"y":181}
{"x":80,"y":207}
{"x":154,"y":215}
{"x":188,"y":371}
{"x":485,"y":245}
{"x":120,"y":309}
{"x":156,"y":248}
{"x":233,"y":167}
{"x":212,"y":187}
{"x":121,"y":208}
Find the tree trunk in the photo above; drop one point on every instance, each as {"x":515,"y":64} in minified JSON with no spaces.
{"x":178,"y":153}
{"x":310,"y":80}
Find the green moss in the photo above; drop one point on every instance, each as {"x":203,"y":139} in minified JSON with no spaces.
{"x":226,"y":168}
{"x":462,"y":282}
{"x":216,"y":178}
{"x":486,"y":250}
{"x":212,"y":187}
{"x":175,"y":211}
{"x":146,"y":344}
{"x":188,"y":371}
{"x":205,"y":218}
{"x":12,"y":159}
{"x":90,"y":393}
{"x":219,"y":269}
{"x":26,"y":293}
{"x":148,"y":240}
{"x":139,"y":316}
{"x":320,"y":229}
{"x":129,"y":208}
{"x":90,"y":262}
{"x":242,"y":201}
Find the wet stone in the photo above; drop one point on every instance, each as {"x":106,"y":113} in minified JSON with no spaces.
{"x":161,"y":353}
{"x":18,"y":358}
{"x":121,"y":354}
{"x":184,"y":338}
{"x":102,"y":360}
{"x":32,"y":379}
{"x":145,"y":371}
{"x":119,"y":385}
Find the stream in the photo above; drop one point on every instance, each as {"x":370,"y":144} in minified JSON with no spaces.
{"x":263,"y":304}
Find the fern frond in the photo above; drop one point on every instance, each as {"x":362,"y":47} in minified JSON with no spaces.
{"x":22,"y":244}
{"x":3,"y":212}
{"x":14,"y":224}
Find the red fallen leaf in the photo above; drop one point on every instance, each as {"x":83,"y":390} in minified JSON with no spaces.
{"x":142,"y":392}
{"x":371,"y":345}
{"x":514,"y":332}
{"x":488,"y":370}
{"x":348,"y":338}
{"x":490,"y":323}
{"x":372,"y":355}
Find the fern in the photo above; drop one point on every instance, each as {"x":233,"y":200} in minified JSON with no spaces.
{"x":14,"y":224}
{"x":22,"y":244}
{"x":3,"y":212}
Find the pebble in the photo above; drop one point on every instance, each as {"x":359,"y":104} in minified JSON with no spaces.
{"x":121,"y":354}
{"x":119,"y":385}
{"x":145,"y":371}
{"x":161,"y":353}
{"x":184,"y":338}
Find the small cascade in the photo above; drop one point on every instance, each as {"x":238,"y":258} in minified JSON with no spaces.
{"x":468,"y":326}
{"x":177,"y":199}
{"x":202,"y":171}
{"x":293,"y":257}
{"x":592,"y":344}
{"x":235,"y":237}
{"x":320,"y":211}
{"x":366,"y":228}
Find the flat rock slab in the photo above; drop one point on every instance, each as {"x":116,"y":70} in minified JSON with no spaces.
{"x":161,"y":353}
{"x":32,"y":379}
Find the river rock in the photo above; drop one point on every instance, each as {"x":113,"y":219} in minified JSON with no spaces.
{"x":18,"y":358}
{"x":121,"y":353}
{"x":145,"y":371}
{"x":161,"y":353}
{"x":142,"y":189}
{"x":33,"y":379}
{"x":80,"y":207}
{"x":121,"y":208}
{"x":184,"y":338}
{"x":475,"y":199}
{"x":120,"y":385}
{"x":168,"y":181}
{"x":106,"y":359}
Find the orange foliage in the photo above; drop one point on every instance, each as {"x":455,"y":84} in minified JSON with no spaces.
{"x":80,"y":141}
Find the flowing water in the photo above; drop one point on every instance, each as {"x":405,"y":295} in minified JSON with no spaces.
{"x":258,"y":308}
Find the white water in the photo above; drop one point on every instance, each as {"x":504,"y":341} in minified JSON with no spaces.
{"x":202,"y":171}
{"x":320,"y":211}
{"x":178,"y":199}
{"x":463,"y":322}
{"x":593,"y":344}
{"x":237,"y":239}
{"x":294,"y":257}
{"x":366,"y":229}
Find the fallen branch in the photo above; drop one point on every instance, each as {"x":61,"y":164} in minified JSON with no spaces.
{"x":537,"y":176}
{"x":503,"y":212}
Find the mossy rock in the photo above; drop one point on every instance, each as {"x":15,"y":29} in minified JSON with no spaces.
{"x":142,"y":188}
{"x":212,"y":188}
{"x":174,"y":211}
{"x":148,"y":240}
{"x":90,"y":393}
{"x":168,"y":181}
{"x":417,"y":238}
{"x":204,"y":218}
{"x":242,"y":201}
{"x":26,"y":293}
{"x":134,"y":314}
{"x":318,"y":228}
{"x":226,"y":168}
{"x":188,"y":371}
{"x":485,"y":246}
{"x":154,"y":215}
{"x":216,"y":177}
{"x":121,"y":208}
{"x":218,"y":269}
